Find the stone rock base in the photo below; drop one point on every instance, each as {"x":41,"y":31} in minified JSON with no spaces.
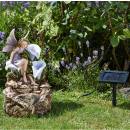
{"x":25,"y":100}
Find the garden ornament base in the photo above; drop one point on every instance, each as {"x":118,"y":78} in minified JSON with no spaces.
{"x":26,"y":99}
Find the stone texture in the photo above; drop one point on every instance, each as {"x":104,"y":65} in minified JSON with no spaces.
{"x":25,"y":100}
{"x":125,"y":92}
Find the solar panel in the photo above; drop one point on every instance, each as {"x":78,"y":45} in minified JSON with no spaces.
{"x":114,"y":76}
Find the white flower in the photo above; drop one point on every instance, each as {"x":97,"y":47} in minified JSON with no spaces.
{"x":34,"y":51}
{"x":81,"y":54}
{"x":79,"y":43}
{"x":89,"y":59}
{"x":102,"y":48}
{"x":95,"y":52}
{"x":37,"y":68}
{"x":95,"y":57}
{"x":87,"y":43}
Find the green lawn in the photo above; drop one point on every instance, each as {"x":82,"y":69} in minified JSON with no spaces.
{"x":90,"y":112}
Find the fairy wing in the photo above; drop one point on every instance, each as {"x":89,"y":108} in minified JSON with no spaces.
{"x":11,"y":42}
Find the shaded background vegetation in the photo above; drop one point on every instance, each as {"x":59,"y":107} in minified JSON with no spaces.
{"x":73,"y":36}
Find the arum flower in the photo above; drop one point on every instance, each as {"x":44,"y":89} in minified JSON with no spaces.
{"x":34,"y":51}
{"x":37,"y":68}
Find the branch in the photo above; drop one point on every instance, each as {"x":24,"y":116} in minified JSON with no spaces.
{"x":125,"y":42}
{"x":113,"y":50}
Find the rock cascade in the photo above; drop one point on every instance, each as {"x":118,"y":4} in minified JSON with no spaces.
{"x":26,"y":99}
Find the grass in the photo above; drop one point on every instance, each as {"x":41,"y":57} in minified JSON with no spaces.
{"x":67,"y":112}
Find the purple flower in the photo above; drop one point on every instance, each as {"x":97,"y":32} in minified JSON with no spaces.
{"x":77,"y":58}
{"x":11,"y":3}
{"x":62,"y":63}
{"x":74,"y":67}
{"x":4,"y":3}
{"x":95,"y":53}
{"x":85,"y":63}
{"x":71,"y":65}
{"x":89,"y":59}
{"x":67,"y":67}
{"x":26,"y":4}
{"x":2,"y":34}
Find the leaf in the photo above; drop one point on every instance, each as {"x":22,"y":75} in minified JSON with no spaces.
{"x":67,"y":2}
{"x":114,"y":41}
{"x":67,"y":16}
{"x":72,"y":31}
{"x":89,"y":29}
{"x":126,"y":32}
{"x":104,"y":26}
{"x":85,"y":34}
{"x":122,"y":37}
{"x":80,"y":34}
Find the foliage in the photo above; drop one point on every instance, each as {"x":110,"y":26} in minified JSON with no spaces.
{"x":76,"y":79}
{"x":43,"y":20}
{"x":71,"y":33}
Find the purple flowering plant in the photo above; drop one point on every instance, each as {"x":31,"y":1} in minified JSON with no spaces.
{"x":2,"y":34}
{"x":26,"y":4}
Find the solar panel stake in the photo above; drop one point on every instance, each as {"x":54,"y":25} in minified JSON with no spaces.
{"x":114,"y":78}
{"x":114,"y":95}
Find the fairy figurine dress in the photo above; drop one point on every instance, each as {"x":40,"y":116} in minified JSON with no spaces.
{"x":32,"y":49}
